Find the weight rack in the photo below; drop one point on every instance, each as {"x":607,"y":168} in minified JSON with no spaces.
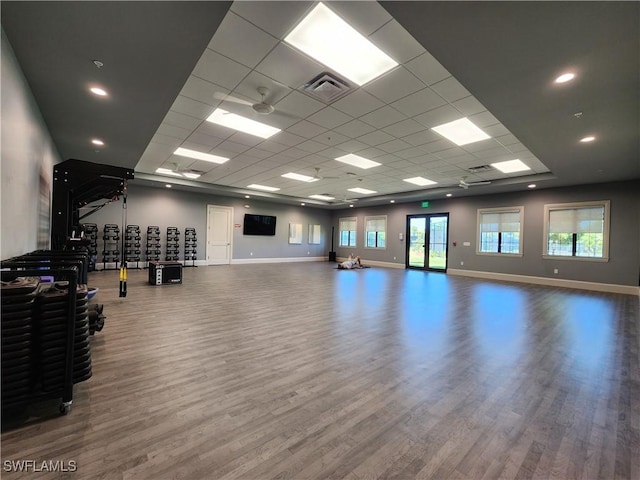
{"x":190,"y":246}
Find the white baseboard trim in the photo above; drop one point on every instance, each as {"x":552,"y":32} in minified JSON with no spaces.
{"x":374,"y":263}
{"x":244,"y":261}
{"x":551,"y":282}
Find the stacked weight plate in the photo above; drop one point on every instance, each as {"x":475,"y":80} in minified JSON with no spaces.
{"x":18,"y":341}
{"x":53,"y":318}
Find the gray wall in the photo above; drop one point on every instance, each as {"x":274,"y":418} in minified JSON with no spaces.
{"x":26,"y":164}
{"x":179,"y":208}
{"x":623,"y":267}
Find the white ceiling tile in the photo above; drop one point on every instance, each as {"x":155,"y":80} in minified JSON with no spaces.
{"x":311,"y":146}
{"x":294,"y":153}
{"x":203,"y":91}
{"x":329,"y":117}
{"x":469,"y":105}
{"x":496,"y":130}
{"x":371,"y":153}
{"x":153,"y":156}
{"x":181,"y":120}
{"x":196,"y":140}
{"x":354,"y":128}
{"x":331,"y":138}
{"x":306,"y":129}
{"x":454,"y":152}
{"x":420,"y":138}
{"x":366,"y":17}
{"x":394,"y":85}
{"x":427,"y":69}
{"x":276,"y":119}
{"x":352,"y":146}
{"x":394,"y":146}
{"x":376,"y":138}
{"x":238,"y":39}
{"x":438,"y":116}
{"x":173,"y":131}
{"x":507,"y":139}
{"x":248,"y":89}
{"x":517,"y":147}
{"x":358,"y":103}
{"x":418,"y":102}
{"x":259,"y":153}
{"x":233,"y":146}
{"x":486,"y":144}
{"x":483,"y":119}
{"x":289,"y":66}
{"x":450,"y":89}
{"x":436,"y":146}
{"x":396,"y":42}
{"x":190,"y":107}
{"x":299,"y":104}
{"x":220,"y":70}
{"x":287,"y":138}
{"x":404,"y":128}
{"x":215,"y":130}
{"x":272,"y":146}
{"x":383,"y":117}
{"x":276,"y":18}
{"x":172,"y":142}
{"x":408,"y":153}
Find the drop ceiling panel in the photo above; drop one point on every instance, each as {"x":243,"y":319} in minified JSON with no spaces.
{"x":286,"y":138}
{"x":358,"y":103}
{"x":469,"y":106}
{"x":311,"y":146}
{"x":422,"y":137}
{"x":276,"y":18}
{"x":166,"y":140}
{"x":203,"y":91}
{"x":306,"y":129}
{"x":172,"y":131}
{"x":438,"y":116}
{"x":180,"y":120}
{"x":329,"y":118}
{"x":190,"y":107}
{"x":404,"y":128}
{"x":394,"y":146}
{"x":352,"y":146}
{"x":277,"y":65}
{"x":220,"y":70}
{"x":427,"y":69}
{"x":366,"y":17}
{"x":238,"y":39}
{"x":396,"y":42}
{"x":394,"y":85}
{"x":299,"y":105}
{"x":483,"y":119}
{"x":450,"y":89}
{"x":383,"y":117}
{"x":198,"y":138}
{"x":376,"y":138}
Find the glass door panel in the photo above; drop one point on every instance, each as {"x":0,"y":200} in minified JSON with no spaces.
{"x":438,"y":242}
{"x":417,"y":234}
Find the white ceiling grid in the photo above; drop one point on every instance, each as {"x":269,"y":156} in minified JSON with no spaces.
{"x":387,"y":120}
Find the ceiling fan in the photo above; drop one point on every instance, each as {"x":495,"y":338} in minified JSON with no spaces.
{"x":464,"y":184}
{"x":317,"y":175}
{"x":262,"y":107}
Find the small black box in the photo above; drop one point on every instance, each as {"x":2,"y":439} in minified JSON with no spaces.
{"x":332,"y":256}
{"x":165,"y":273}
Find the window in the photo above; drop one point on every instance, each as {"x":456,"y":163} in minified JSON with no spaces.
{"x":348,"y":232}
{"x":376,"y":232}
{"x":500,"y":230}
{"x":577,"y":230}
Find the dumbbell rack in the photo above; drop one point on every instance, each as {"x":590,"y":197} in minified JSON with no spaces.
{"x":91,"y":233}
{"x":110,"y":252}
{"x":152,"y":252}
{"x":132,"y":244}
{"x":172,"y":252}
{"x":190,"y":246}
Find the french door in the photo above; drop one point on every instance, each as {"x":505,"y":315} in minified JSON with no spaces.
{"x":427,"y":241}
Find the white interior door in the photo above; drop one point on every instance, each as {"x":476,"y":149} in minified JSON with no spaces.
{"x":219,"y":234}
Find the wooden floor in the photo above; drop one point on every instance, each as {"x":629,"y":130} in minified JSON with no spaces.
{"x":301,"y":371}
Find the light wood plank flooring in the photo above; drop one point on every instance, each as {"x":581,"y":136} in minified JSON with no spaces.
{"x":301,"y":371}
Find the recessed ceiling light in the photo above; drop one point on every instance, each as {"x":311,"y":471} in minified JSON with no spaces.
{"x":365,"y":191}
{"x":191,"y":175}
{"x":302,"y":203}
{"x":461,"y":132}
{"x":168,"y":185}
{"x":246,"y":205}
{"x":449,"y":194}
{"x":324,"y":36}
{"x":297,"y":176}
{"x":242,"y":124}
{"x":97,"y":141}
{"x":357,"y":161}
{"x":206,"y":157}
{"x":98,"y":91}
{"x":247,"y":196}
{"x":351,"y":206}
{"x":531,"y":185}
{"x":419,"y":181}
{"x":166,"y":171}
{"x":588,"y":139}
{"x":392,"y":201}
{"x":510,"y":166}
{"x":565,"y":77}
{"x":322,"y":197}
{"x":263,"y":187}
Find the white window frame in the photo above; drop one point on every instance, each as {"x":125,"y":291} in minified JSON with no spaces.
{"x":577,"y":205}
{"x":366,"y":231}
{"x":355,"y":230}
{"x":517,"y":209}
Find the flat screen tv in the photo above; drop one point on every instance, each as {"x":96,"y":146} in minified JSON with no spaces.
{"x":259,"y":225}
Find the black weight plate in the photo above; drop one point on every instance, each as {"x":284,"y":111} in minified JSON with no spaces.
{"x":8,"y":341}
{"x":19,"y":322}
{"x":16,"y":346}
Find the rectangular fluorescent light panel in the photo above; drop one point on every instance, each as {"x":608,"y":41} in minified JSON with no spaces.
{"x":242,"y":124}
{"x":322,"y":197}
{"x":206,"y":157}
{"x":357,"y":161}
{"x":419,"y":181}
{"x":511,"y":166}
{"x":191,"y":175}
{"x":461,"y":132}
{"x":362,"y":190}
{"x":263,"y":187}
{"x":166,"y":171}
{"x":326,"y":37}
{"x":297,"y":176}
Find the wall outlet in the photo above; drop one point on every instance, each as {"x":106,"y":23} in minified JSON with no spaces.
{"x":555,"y":270}
{"x":466,"y":244}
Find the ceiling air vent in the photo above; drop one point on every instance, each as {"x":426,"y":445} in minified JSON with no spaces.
{"x":480,"y":168}
{"x":326,"y":87}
